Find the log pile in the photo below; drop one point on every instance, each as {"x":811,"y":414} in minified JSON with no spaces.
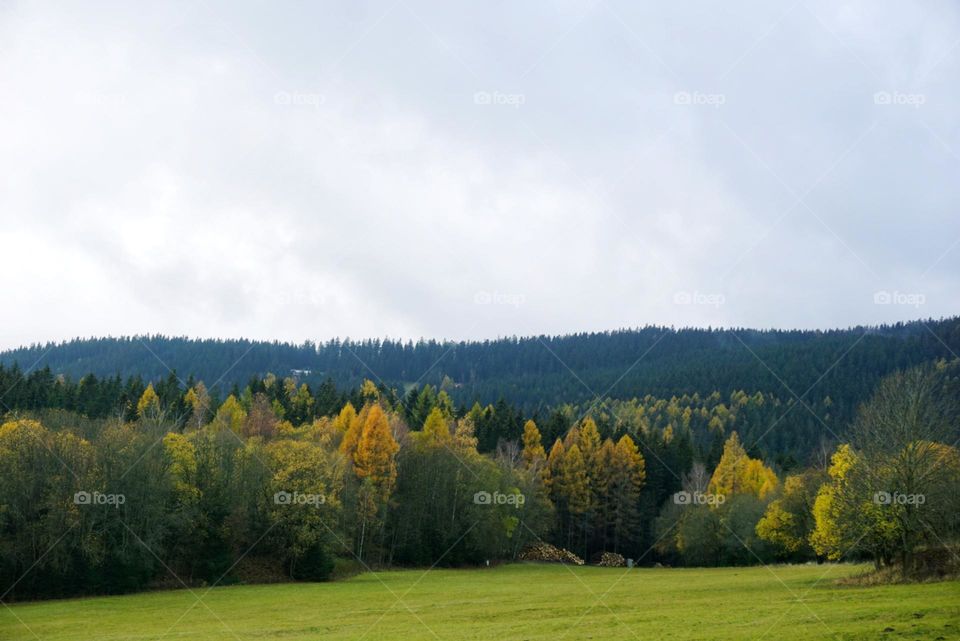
{"x":547,"y":552}
{"x":612,"y":560}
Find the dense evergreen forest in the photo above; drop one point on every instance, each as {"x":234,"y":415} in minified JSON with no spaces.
{"x":771,"y":451}
{"x":785,"y":391}
{"x":269,"y":487}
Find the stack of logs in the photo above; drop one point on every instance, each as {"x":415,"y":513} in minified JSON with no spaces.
{"x":547,"y":552}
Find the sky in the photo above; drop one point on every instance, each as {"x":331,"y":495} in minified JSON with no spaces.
{"x":459,"y":170}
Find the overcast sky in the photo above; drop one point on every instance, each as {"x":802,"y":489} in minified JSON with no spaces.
{"x":471,"y":170}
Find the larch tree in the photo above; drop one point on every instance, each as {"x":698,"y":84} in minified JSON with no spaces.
{"x":351,"y":425}
{"x":623,"y":491}
{"x":436,"y":430}
{"x":345,"y":419}
{"x":737,"y":473}
{"x":554,"y":467}
{"x":589,"y":441}
{"x":230,"y":416}
{"x":574,"y":485}
{"x":376,"y":467}
{"x":376,"y":453}
{"x":534,"y":456}
{"x":148,"y":407}
{"x":369,"y":391}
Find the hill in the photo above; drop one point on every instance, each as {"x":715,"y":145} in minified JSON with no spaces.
{"x":539,"y":371}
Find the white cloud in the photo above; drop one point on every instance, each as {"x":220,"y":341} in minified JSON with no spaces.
{"x":231,"y":172}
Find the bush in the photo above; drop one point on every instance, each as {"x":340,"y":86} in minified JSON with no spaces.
{"x":316,"y":564}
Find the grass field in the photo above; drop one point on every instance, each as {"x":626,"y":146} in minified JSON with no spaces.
{"x":516,"y":602}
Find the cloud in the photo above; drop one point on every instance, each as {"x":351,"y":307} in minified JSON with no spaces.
{"x":409,"y":170}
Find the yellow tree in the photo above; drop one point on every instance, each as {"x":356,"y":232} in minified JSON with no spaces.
{"x":737,"y":473}
{"x":436,"y":430}
{"x":574,"y":486}
{"x":602,"y":475}
{"x":230,"y":416}
{"x":376,"y":453}
{"x":198,"y":399}
{"x":464,"y":437}
{"x":352,"y":427}
{"x":533,"y":452}
{"x":346,"y":418}
{"x":306,"y":482}
{"x":572,"y":437}
{"x":828,"y":533}
{"x":535,"y":457}
{"x":554,"y":466}
{"x":758,"y":479}
{"x":630,"y":461}
{"x":149,"y":404}
{"x":589,"y":439}
{"x":183,"y":466}
{"x":376,"y":467}
{"x":848,"y":516}
{"x":624,"y":480}
{"x":369,"y":391}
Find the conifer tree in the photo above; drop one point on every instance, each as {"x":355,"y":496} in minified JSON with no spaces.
{"x":231,"y":415}
{"x":376,"y":452}
{"x":436,"y":430}
{"x":352,"y":427}
{"x":148,"y":406}
{"x":737,"y":473}
{"x":533,"y":453}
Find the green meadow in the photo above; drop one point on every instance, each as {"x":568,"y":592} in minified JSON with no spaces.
{"x":520,"y":601}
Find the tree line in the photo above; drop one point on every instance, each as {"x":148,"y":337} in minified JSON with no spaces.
{"x":278,"y":481}
{"x":533,"y":373}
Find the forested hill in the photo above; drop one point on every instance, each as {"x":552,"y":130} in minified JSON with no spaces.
{"x":536,"y":372}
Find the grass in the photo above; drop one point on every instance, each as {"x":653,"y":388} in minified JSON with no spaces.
{"x":522,"y":602}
